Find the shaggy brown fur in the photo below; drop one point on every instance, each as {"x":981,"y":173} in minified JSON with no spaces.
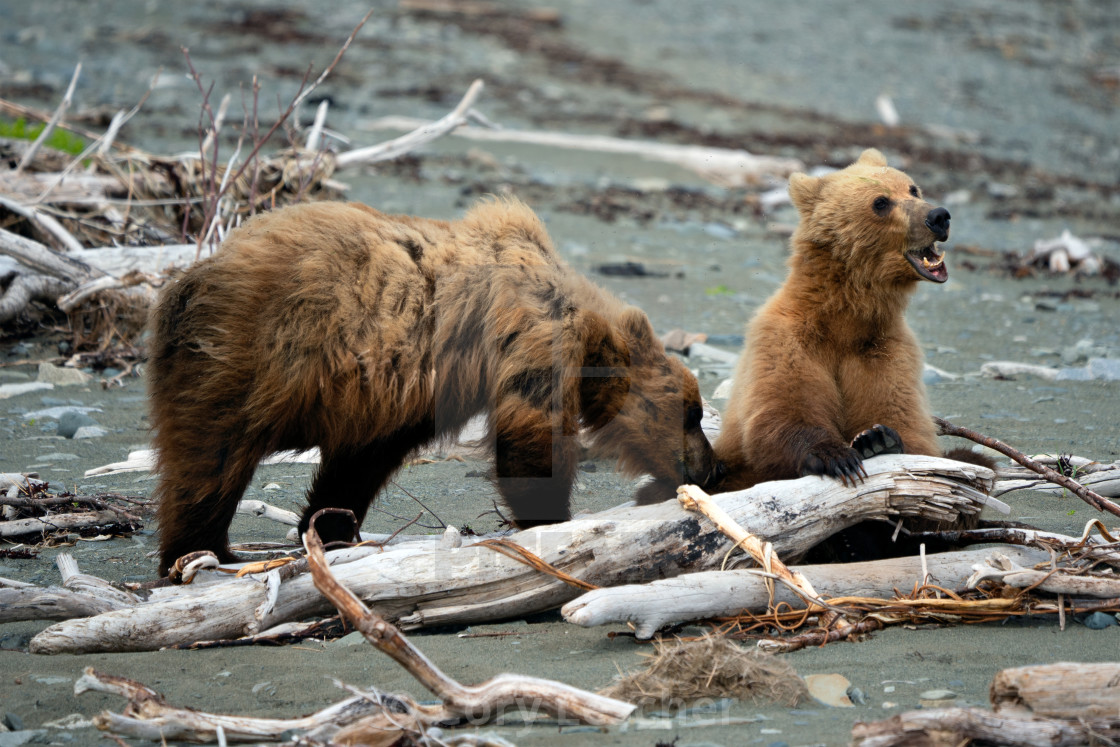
{"x":369,"y":335}
{"x":830,"y":357}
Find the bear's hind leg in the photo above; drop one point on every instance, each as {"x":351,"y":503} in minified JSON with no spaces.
{"x":197,"y":500}
{"x":535,"y":468}
{"x":350,"y":478}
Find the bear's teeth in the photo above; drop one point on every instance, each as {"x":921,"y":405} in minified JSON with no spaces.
{"x":930,"y":265}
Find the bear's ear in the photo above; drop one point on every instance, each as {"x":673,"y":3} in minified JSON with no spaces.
{"x":804,"y":191}
{"x":872,"y":157}
{"x":637,"y":331}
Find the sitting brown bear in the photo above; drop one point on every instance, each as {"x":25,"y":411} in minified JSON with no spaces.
{"x":370,"y":335}
{"x":831,"y":373}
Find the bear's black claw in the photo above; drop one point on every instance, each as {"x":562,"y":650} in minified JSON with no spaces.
{"x":841,"y":462}
{"x":876,"y":440}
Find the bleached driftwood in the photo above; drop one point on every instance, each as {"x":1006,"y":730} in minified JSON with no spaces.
{"x":57,"y":522}
{"x":700,"y":596}
{"x":724,"y":166}
{"x":150,"y":717}
{"x":418,"y":586}
{"x":1104,"y":480}
{"x":1056,"y":581}
{"x":80,"y":595}
{"x":1061,"y":690}
{"x":953,"y":726}
{"x":1065,"y":704}
{"x":485,"y":701}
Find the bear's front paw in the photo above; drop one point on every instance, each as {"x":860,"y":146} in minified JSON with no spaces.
{"x":876,"y":440}
{"x":842,"y":462}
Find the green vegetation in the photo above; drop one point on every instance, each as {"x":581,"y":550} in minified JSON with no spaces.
{"x":719,"y":290}
{"x":60,"y":139}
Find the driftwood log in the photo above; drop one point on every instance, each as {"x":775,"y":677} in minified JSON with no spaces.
{"x":419,"y":586}
{"x":1066,"y":704}
{"x":700,"y":596}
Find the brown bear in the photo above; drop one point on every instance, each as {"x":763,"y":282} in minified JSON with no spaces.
{"x":370,"y":335}
{"x":831,"y":373}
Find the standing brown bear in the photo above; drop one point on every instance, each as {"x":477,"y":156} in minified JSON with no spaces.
{"x":831,"y":374}
{"x":369,"y":335}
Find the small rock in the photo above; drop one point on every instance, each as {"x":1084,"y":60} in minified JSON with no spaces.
{"x":90,"y":431}
{"x":937,"y":698}
{"x":1098,"y":621}
{"x":723,"y":391}
{"x":18,"y":738}
{"x":1104,"y":369}
{"x":857,"y":695}
{"x":70,"y":421}
{"x":830,"y":689}
{"x":13,"y":722}
{"x":1082,"y":351}
{"x":719,"y":230}
{"x":589,"y":467}
{"x":51,"y":374}
{"x":451,"y":538}
{"x":938,"y":695}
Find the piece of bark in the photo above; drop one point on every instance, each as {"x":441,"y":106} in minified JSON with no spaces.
{"x":1071,"y":690}
{"x":699,"y":596}
{"x":417,"y":585}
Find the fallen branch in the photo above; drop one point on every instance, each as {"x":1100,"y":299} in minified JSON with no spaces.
{"x":59,"y":112}
{"x":952,"y":726}
{"x":1096,"y":501}
{"x":58,"y":522}
{"x":148,"y":715}
{"x":485,"y":701}
{"x":1057,"y":581}
{"x":27,"y":288}
{"x":724,"y":166}
{"x":714,"y":594}
{"x":422,"y":584}
{"x":422,"y":133}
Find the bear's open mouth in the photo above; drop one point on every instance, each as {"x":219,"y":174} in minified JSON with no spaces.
{"x":928,"y":263}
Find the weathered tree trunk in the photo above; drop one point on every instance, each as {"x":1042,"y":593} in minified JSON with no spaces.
{"x":1062,"y":690}
{"x":421,"y":586}
{"x":700,"y":596}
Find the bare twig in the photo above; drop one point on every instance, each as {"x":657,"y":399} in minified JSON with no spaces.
{"x":29,"y":154}
{"x":1098,"y":502}
{"x":423,"y":133}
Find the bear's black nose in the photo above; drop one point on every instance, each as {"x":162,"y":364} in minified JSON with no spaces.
{"x":938,"y":222}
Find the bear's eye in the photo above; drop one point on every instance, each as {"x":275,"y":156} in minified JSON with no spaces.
{"x":914,"y":191}
{"x":692,"y":417}
{"x":882,"y":205}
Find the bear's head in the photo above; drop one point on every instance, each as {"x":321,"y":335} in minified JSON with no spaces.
{"x":871,"y":221}
{"x":649,"y":416}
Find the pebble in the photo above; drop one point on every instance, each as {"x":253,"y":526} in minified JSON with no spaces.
{"x":90,"y":431}
{"x":857,"y":695}
{"x":71,"y":421}
{"x":18,"y":738}
{"x":1098,"y":620}
{"x":52,"y":374}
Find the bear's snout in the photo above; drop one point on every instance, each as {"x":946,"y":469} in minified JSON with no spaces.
{"x":938,"y":222}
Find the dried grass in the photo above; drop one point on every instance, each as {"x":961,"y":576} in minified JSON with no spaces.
{"x":681,"y":672}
